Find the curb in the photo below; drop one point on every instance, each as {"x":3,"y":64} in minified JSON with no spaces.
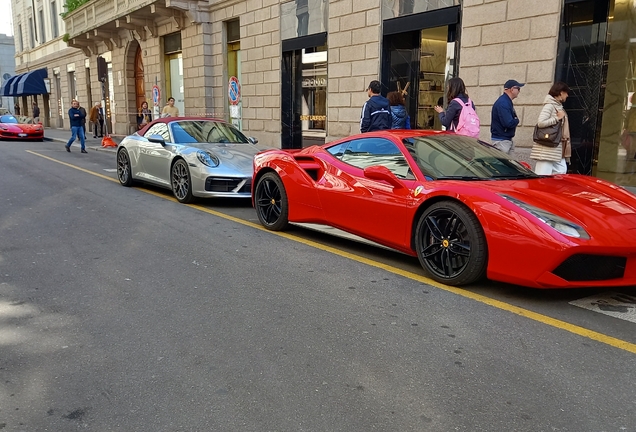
{"x":98,"y":148}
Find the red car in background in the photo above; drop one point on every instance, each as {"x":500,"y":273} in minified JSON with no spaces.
{"x":465,"y":209}
{"x":10,"y":128}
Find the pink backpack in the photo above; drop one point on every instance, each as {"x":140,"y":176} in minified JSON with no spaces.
{"x":468,"y":123}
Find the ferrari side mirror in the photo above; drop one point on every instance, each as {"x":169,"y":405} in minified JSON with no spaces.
{"x":378,"y":172}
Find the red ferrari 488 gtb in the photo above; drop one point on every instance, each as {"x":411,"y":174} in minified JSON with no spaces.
{"x":465,"y":209}
{"x":11,"y":129}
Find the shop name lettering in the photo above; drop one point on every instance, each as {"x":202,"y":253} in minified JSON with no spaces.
{"x":315,"y":82}
{"x":313,"y":117}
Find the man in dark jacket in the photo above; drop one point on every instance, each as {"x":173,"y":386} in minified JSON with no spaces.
{"x":504,"y":119}
{"x":77,"y":118}
{"x":376,"y":112}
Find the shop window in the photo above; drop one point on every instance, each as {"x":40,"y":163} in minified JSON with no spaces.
{"x":233,"y":30}
{"x":173,"y":67}
{"x":582,"y":64}
{"x":54,"y":16}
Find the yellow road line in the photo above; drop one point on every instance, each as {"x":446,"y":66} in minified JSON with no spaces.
{"x":544,"y":319}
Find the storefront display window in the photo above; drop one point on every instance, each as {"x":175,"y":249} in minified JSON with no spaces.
{"x":617,"y":148}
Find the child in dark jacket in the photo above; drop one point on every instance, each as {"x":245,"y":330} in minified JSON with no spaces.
{"x":401,"y":119}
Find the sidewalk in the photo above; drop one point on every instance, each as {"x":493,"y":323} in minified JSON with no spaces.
{"x":62,"y":136}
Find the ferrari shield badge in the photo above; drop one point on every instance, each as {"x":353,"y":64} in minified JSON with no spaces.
{"x":418,"y":190}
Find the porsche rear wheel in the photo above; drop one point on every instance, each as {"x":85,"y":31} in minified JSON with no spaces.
{"x":124,"y":172}
{"x":271,"y":202}
{"x":451,"y":244}
{"x":181,"y":182}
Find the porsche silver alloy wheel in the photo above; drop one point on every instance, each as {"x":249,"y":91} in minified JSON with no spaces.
{"x":181,"y":182}
{"x":451,"y":244}
{"x":124,"y":172}
{"x":271,"y":202}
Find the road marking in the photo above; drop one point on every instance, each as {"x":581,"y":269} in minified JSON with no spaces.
{"x":110,"y":170}
{"x":617,"y":305}
{"x":544,"y":319}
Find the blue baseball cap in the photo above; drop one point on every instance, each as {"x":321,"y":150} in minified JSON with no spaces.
{"x":513,"y":83}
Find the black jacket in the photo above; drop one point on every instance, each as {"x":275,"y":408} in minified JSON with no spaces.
{"x":454,"y":109}
{"x":376,"y":114}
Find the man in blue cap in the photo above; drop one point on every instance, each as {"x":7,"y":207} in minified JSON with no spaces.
{"x":504,"y":118}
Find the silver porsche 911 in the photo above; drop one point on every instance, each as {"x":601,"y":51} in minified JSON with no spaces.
{"x":194,"y":157}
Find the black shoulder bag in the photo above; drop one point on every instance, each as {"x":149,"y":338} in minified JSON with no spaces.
{"x":549,"y":136}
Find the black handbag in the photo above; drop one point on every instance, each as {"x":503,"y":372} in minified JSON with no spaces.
{"x":549,"y":136}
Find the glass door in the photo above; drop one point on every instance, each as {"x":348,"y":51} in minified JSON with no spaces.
{"x":418,"y":64}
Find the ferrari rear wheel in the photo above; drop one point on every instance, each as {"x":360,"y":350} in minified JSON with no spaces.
{"x":124,"y":172}
{"x":451,"y":244}
{"x":271,"y":202}
{"x":181,"y":182}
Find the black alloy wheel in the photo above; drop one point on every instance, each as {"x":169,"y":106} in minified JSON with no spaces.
{"x":451,"y":244}
{"x":181,"y":182}
{"x":124,"y":171}
{"x":271,"y":202}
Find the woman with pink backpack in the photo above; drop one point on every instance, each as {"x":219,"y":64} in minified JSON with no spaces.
{"x":460,"y":116}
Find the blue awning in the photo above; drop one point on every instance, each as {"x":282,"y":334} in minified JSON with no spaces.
{"x":26,"y":84}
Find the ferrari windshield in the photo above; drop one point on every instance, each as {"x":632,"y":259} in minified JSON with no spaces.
{"x":446,"y":156}
{"x":206,"y":131}
{"x":8,"y":119}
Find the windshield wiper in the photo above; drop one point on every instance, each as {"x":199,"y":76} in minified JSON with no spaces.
{"x":459,"y":178}
{"x":514,"y":176}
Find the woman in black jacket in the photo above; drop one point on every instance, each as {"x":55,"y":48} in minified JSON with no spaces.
{"x":450,"y":117}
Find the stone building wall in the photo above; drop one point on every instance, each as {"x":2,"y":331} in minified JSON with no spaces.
{"x":353,"y":42}
{"x":509,"y":39}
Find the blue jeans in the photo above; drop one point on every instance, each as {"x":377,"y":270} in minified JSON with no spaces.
{"x":77,"y":131}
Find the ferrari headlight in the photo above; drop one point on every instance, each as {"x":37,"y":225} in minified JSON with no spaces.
{"x":208,"y":159}
{"x":560,"y":224}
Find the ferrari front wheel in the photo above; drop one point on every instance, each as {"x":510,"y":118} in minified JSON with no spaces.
{"x":124,"y":171}
{"x":451,"y":244}
{"x":181,"y":182}
{"x":271,"y":202}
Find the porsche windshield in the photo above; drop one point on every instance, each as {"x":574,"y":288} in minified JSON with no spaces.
{"x":447,"y":156}
{"x":206,"y":131}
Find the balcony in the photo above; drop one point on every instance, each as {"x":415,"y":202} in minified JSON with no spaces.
{"x":113,"y":22}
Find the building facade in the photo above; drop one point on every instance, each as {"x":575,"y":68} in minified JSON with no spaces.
{"x":294,"y":72}
{"x":7,"y":68}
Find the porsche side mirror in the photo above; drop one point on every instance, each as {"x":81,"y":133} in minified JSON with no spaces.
{"x":158,"y":139}
{"x":378,"y":172}
{"x":252,"y":140}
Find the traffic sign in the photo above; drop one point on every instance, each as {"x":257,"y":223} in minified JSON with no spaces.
{"x":156,"y":95}
{"x":234,"y":91}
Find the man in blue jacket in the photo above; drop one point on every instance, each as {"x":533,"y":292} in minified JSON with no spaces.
{"x":376,"y":112}
{"x":504,"y":118}
{"x":77,"y":129}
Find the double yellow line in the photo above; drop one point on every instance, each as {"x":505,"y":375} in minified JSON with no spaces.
{"x":544,"y":319}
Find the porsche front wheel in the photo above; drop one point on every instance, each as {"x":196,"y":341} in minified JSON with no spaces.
{"x":451,"y":244}
{"x":271,"y":202}
{"x":181,"y":182}
{"x":124,"y":171}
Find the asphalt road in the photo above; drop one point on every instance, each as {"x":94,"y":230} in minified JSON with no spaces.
{"x":122,"y":310}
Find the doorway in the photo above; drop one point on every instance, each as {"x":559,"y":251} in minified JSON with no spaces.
{"x":140,"y":92}
{"x":304,"y":92}
{"x":419,"y":61}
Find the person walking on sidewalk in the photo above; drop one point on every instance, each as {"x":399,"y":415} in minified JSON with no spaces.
{"x":376,"y":112}
{"x":96,"y":117}
{"x":170,"y":110}
{"x":77,"y":118}
{"x":83,"y":111}
{"x":36,"y":113}
{"x":504,"y":120}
